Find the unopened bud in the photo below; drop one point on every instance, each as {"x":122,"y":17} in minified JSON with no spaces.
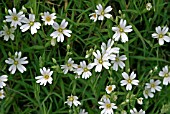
{"x":68,"y":47}
{"x":140,"y":100}
{"x":6,"y":11}
{"x":53,"y":10}
{"x":24,"y":9}
{"x":53,"y":41}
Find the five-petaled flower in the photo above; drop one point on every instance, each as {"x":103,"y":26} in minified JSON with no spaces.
{"x":161,"y":35}
{"x":60,"y":31}
{"x":121,"y":30}
{"x":48,"y":18}
{"x":72,"y":100}
{"x":30,"y":24}
{"x":45,"y":76}
{"x":129,"y":80}
{"x":17,"y":63}
{"x":14,"y":17}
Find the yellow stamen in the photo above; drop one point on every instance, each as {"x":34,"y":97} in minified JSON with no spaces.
{"x":100,"y":61}
{"x":102,"y":13}
{"x":160,"y":36}
{"x":129,"y":80}
{"x":46,"y":77}
{"x":15,"y":62}
{"x":85,"y":69}
{"x":48,"y":18}
{"x":153,"y":85}
{"x":15,"y":18}
{"x":110,"y":88}
{"x":71,"y":98}
{"x":108,"y":105}
{"x":31,"y":23}
{"x":60,"y":30}
{"x":69,"y":65}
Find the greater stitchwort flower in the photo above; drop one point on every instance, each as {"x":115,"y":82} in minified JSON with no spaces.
{"x":134,"y":111}
{"x":14,"y":17}
{"x":60,"y":31}
{"x":30,"y":24}
{"x":17,"y":63}
{"x":82,"y":111}
{"x":147,"y":93}
{"x":100,"y":60}
{"x":118,"y":61}
{"x":154,"y":85}
{"x":110,"y":88}
{"x":2,"y":96}
{"x":93,"y":16}
{"x":107,"y":107}
{"x":121,"y":30}
{"x":45,"y":76}
{"x":69,"y":66}
{"x":72,"y":100}
{"x":84,"y":70}
{"x":101,"y":12}
{"x":166,"y":74}
{"x":3,"y":79}
{"x":161,"y":35}
{"x":48,"y":18}
{"x":129,"y":80}
{"x":8,"y":33}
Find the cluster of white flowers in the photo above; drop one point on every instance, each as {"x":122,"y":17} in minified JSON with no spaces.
{"x":30,"y":23}
{"x":100,"y":13}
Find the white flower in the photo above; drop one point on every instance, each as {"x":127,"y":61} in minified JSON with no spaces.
{"x":69,"y":66}
{"x":3,"y":79}
{"x":107,"y":107}
{"x":48,"y":18}
{"x":148,"y":6}
{"x":121,"y":31}
{"x":110,"y":88}
{"x":45,"y":76}
{"x":140,"y":100}
{"x":100,"y":60}
{"x":14,"y":17}
{"x":72,"y":100}
{"x":16,"y":63}
{"x":107,"y":48}
{"x":166,"y":74}
{"x":82,"y":111}
{"x":147,"y":93}
{"x":93,"y":16}
{"x":118,"y":62}
{"x":30,"y":24}
{"x":2,"y":96}
{"x":8,"y":33}
{"x":134,"y":111}
{"x":129,"y":80}
{"x":154,"y":85}
{"x":103,"y":12}
{"x":161,"y":35}
{"x":60,"y":31}
{"x":85,"y":70}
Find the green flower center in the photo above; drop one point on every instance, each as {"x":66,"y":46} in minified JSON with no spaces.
{"x":100,"y":61}
{"x":69,"y":65}
{"x":152,"y":85}
{"x":129,"y":80}
{"x":60,"y":30}
{"x":71,"y":98}
{"x":46,"y":77}
{"x":85,"y":69}
{"x":8,"y":32}
{"x":15,"y":18}
{"x":1,"y":94}
{"x":15,"y":62}
{"x":146,"y":92}
{"x":160,"y":36}
{"x":121,"y":30}
{"x":166,"y":75}
{"x":117,"y":59}
{"x":108,"y":105}
{"x":31,"y":23}
{"x":48,"y":18}
{"x":94,"y":15}
{"x":102,"y":13}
